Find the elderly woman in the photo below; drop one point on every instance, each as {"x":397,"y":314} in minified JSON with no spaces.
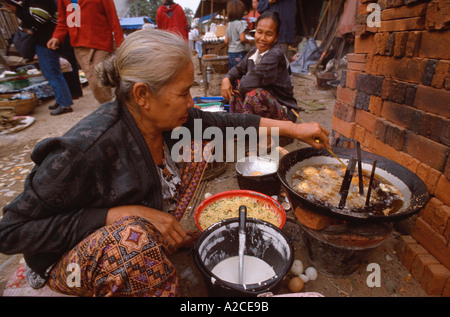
{"x":100,"y":210}
{"x":260,"y":84}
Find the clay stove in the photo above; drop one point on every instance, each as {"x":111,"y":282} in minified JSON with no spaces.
{"x":337,"y":248}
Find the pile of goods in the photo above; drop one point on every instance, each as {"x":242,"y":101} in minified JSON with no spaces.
{"x":210,"y":37}
{"x":8,"y":120}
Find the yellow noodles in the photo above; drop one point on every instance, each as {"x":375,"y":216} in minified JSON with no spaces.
{"x":226,"y":208}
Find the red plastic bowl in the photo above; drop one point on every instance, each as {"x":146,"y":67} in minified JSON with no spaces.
{"x":274,"y":205}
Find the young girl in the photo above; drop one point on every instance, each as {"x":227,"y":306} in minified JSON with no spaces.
{"x":235,"y":35}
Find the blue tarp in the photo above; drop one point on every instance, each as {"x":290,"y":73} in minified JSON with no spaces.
{"x":134,"y":23}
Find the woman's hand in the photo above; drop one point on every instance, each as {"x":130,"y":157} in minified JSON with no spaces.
{"x":227,"y":88}
{"x":165,"y":223}
{"x":312,"y":133}
{"x":53,"y":43}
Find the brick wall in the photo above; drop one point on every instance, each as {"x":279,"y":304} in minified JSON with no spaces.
{"x":394,"y":98}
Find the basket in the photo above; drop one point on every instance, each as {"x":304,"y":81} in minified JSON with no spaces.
{"x":20,"y":107}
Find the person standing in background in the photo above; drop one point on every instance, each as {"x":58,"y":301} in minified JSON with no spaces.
{"x":94,"y":32}
{"x":171,"y":17}
{"x":40,"y":18}
{"x":286,"y":10}
{"x":253,"y":15}
{"x":235,"y":34}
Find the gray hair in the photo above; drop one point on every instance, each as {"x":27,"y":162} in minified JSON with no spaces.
{"x":154,"y":57}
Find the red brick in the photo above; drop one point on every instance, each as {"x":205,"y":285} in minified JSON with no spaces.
{"x":447,"y":168}
{"x":419,"y":264}
{"x":403,"y":241}
{"x":440,"y":219}
{"x":380,"y":40}
{"x":375,"y":106}
{"x":446,"y":291}
{"x":433,"y":100}
{"x":404,"y":69}
{"x":432,"y":179}
{"x":356,"y":66}
{"x":404,"y":12}
{"x":432,"y":241}
{"x":395,"y":136}
{"x":427,"y":151}
{"x":346,"y":95}
{"x":436,"y":215}
{"x":407,"y":161}
{"x":365,"y":120}
{"x":400,"y":114}
{"x":442,"y":190}
{"x":438,"y":15}
{"x":350,"y":81}
{"x":422,"y":171}
{"x":434,"y":278}
{"x":357,"y":58}
{"x":401,"y":39}
{"x":375,"y":145}
{"x":440,"y":73}
{"x":360,"y":134}
{"x":364,"y":44}
{"x":343,"y":127}
{"x":410,"y":252}
{"x":413,"y":43}
{"x":375,"y":64}
{"x":380,"y":128}
{"x":344,"y":111}
{"x":429,"y":47}
{"x":408,"y":24}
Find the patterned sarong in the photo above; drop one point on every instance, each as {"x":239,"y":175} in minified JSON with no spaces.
{"x":128,"y":257}
{"x":259,"y":102}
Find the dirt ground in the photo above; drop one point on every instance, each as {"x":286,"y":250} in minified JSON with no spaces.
{"x":15,"y":164}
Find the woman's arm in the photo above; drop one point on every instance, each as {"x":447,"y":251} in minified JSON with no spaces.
{"x":164,"y":222}
{"x":311,"y":133}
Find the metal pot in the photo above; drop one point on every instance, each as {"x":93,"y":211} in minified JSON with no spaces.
{"x":266,"y":181}
{"x":412,"y":187}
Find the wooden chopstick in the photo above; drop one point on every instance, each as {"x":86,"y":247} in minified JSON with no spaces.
{"x":318,"y":141}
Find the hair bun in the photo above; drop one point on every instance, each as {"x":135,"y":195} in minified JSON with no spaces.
{"x":107,"y":73}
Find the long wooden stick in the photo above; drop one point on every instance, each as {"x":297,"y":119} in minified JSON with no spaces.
{"x":322,"y":18}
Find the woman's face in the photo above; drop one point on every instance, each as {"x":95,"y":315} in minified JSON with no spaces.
{"x":266,"y":34}
{"x":169,"y":109}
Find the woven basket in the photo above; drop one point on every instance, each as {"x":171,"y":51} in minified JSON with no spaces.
{"x":20,"y":107}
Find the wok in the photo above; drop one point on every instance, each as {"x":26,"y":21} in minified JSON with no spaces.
{"x":412,"y":187}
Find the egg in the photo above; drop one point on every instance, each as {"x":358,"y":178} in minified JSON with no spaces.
{"x":296,"y":284}
{"x":311,"y":273}
{"x":297,"y":267}
{"x":304,"y":277}
{"x":207,"y":195}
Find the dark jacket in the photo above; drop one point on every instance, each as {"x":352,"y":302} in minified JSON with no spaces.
{"x":286,"y":9}
{"x":40,"y":16}
{"x":272,"y":73}
{"x":102,"y":162}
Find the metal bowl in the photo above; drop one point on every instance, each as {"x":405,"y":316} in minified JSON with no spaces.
{"x":258,"y":173}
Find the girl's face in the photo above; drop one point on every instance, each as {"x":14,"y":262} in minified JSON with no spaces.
{"x":266,"y":34}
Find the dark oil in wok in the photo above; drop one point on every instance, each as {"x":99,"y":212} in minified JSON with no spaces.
{"x":321,"y":184}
